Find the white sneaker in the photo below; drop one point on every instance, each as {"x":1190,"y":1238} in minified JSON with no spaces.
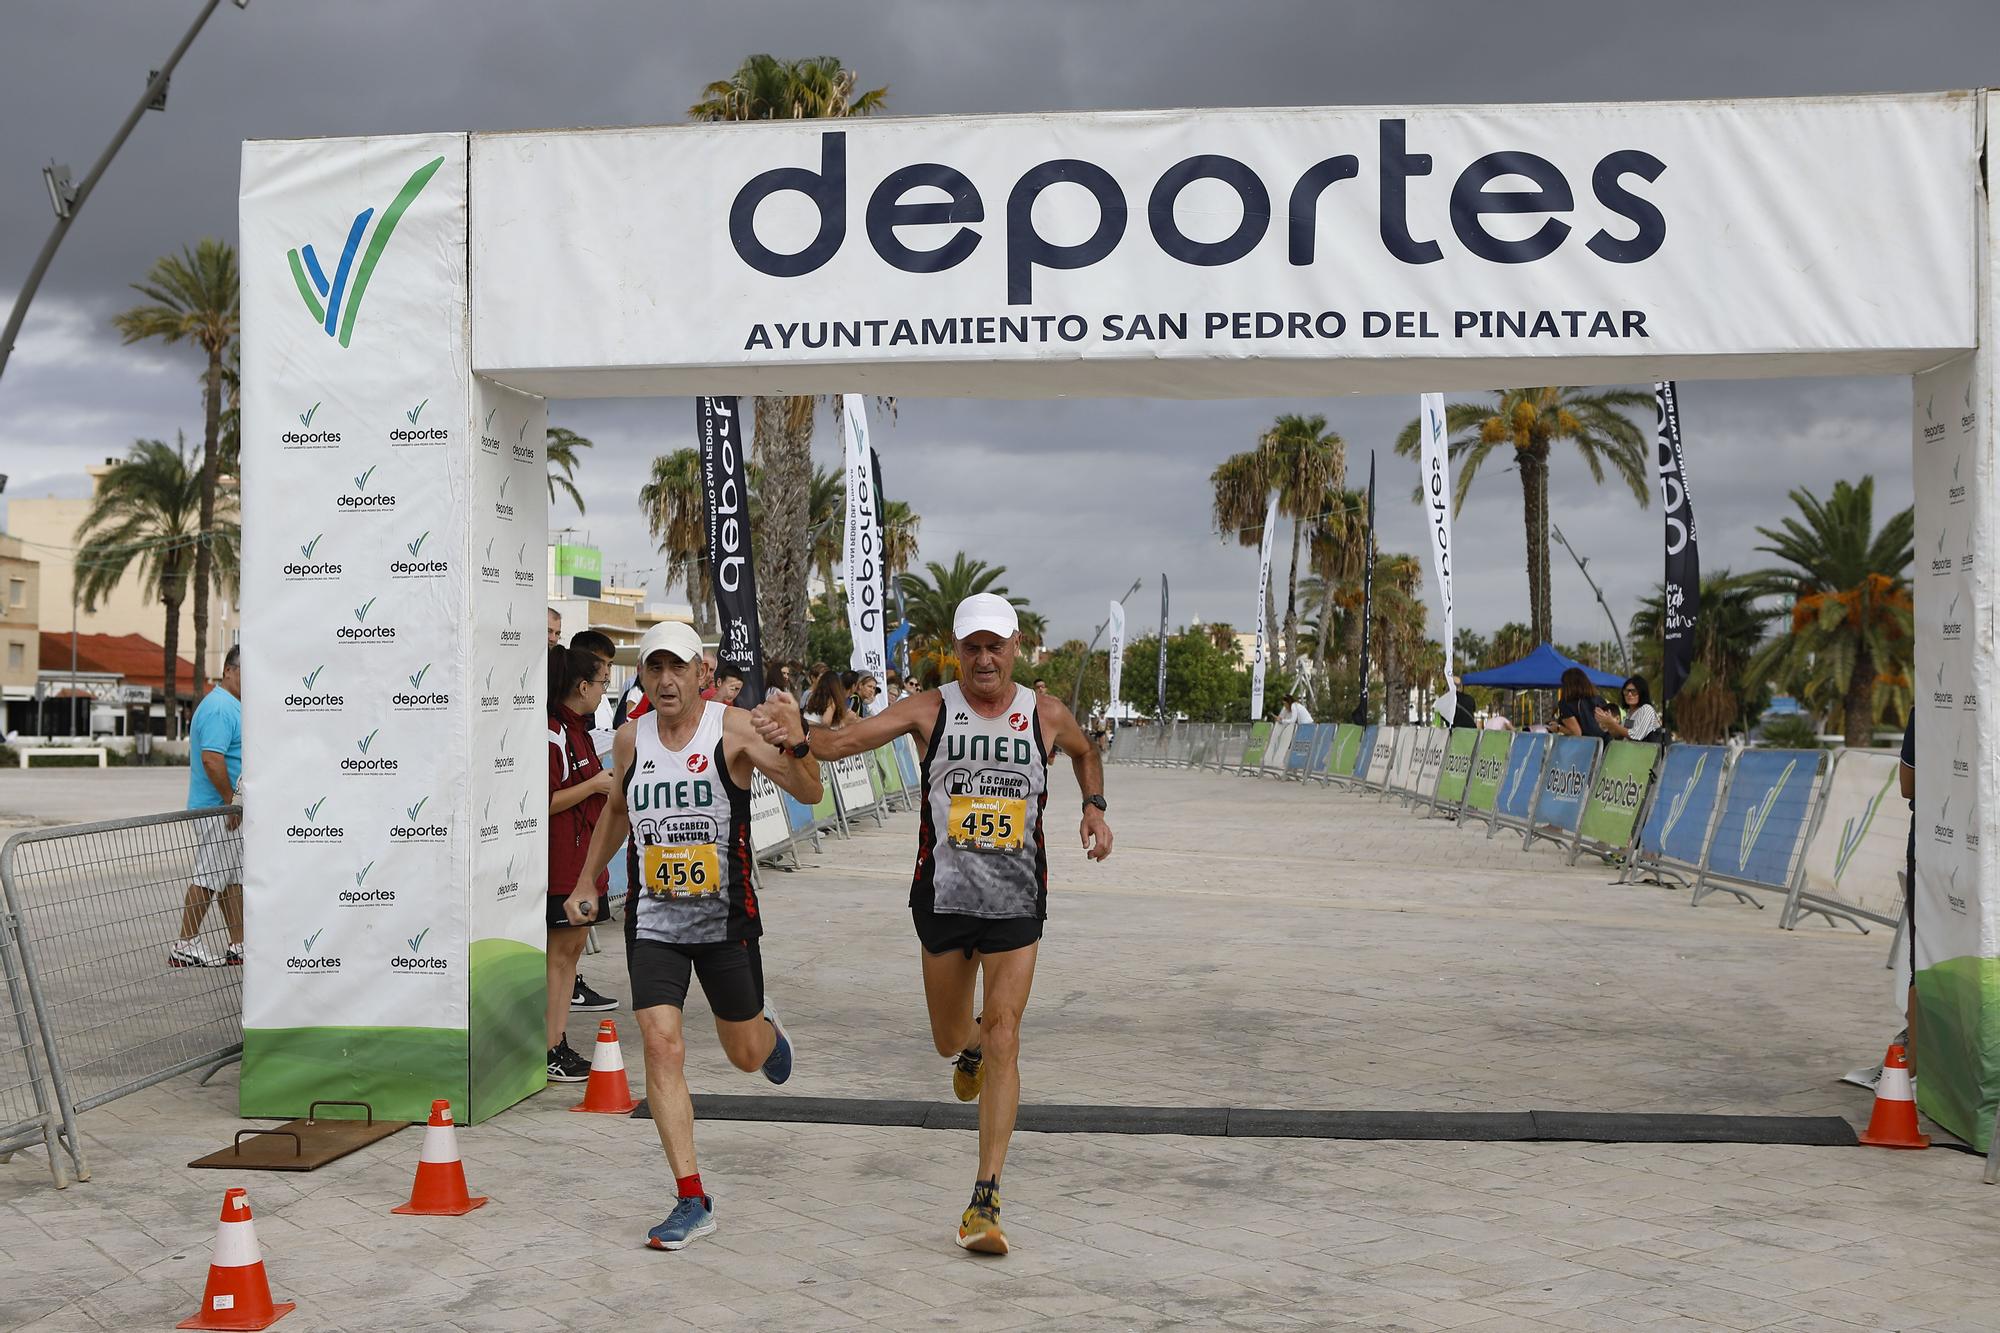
{"x":186,"y":953}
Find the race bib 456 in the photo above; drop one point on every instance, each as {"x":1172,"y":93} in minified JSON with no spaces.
{"x":683,"y":872}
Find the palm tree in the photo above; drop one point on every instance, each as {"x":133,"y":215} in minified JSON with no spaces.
{"x":562,"y":446}
{"x":671,"y":500}
{"x":147,"y":513}
{"x":899,"y":536}
{"x":1339,"y":555}
{"x":826,"y":515}
{"x":193,"y":296}
{"x":1851,"y":636}
{"x":764,"y":87}
{"x":1531,"y":421}
{"x":1034,"y":629}
{"x":1715,"y":698}
{"x":1398,"y":629}
{"x":933,"y":601}
{"x":1304,"y":463}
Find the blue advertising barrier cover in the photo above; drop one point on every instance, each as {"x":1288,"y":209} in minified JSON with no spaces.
{"x":1322,"y":745}
{"x":797,"y":815}
{"x":1523,"y":773}
{"x":1565,"y":780}
{"x":1366,"y":753}
{"x":1770,"y":797}
{"x":1302,"y":746}
{"x":1684,"y":802}
{"x":906,"y":758}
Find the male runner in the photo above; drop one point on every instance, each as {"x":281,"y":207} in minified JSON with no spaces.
{"x":980,"y":892}
{"x":682,"y":794}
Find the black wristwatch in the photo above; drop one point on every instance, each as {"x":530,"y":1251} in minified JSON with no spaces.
{"x":1097,"y":801}
{"x":804,"y":747}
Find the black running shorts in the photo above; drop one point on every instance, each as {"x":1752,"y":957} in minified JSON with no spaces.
{"x":942,"y":932}
{"x":558,"y":919}
{"x":732,"y":976}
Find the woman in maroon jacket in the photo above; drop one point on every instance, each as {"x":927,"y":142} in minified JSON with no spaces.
{"x":578,"y":786}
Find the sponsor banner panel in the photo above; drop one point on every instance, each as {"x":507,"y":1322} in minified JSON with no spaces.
{"x":357,"y":593}
{"x":732,"y":566}
{"x":1346,"y":745}
{"x":1690,"y":784}
{"x":1523,"y":775}
{"x":1261,"y":651}
{"x":1280,"y":747}
{"x":850,"y":781}
{"x":1859,"y":847}
{"x":1363,"y":752}
{"x":1489,"y":766}
{"x":1565,"y":781}
{"x":1957,"y":924}
{"x":768,"y":826}
{"x":1210,"y":252}
{"x":1624,"y":775}
{"x":1321,"y":758}
{"x":1770,"y":798}
{"x":507,"y":785}
{"x":1305,"y":739}
{"x":862,"y":567}
{"x":1434,"y":486}
{"x":1382,"y":754}
{"x":1682,"y":588}
{"x":1253,"y":748}
{"x":1429,"y":753}
{"x":1457,"y":765}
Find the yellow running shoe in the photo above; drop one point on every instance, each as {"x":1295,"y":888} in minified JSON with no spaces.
{"x":968,"y":1075}
{"x":979,"y":1230}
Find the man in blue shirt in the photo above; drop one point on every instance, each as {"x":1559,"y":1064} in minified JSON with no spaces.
{"x":215,"y":767}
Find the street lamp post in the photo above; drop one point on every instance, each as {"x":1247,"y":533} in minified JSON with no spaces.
{"x":68,"y":200}
{"x":1583,"y":567}
{"x":1076,"y":689}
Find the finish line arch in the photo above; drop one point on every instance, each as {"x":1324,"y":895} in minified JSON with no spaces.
{"x":410,"y":304}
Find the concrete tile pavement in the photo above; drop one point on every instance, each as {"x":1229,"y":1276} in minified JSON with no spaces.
{"x":1249,"y":943}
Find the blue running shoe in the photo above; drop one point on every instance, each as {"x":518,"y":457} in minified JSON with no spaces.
{"x":690,"y":1220}
{"x":778,"y":1064}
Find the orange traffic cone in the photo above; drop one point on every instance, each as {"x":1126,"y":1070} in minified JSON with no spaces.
{"x":237,"y":1295}
{"x":440,"y":1187}
{"x":1894,"y":1121}
{"x":607,"y":1091}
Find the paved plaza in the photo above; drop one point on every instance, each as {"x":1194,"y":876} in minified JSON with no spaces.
{"x":1251,"y":943}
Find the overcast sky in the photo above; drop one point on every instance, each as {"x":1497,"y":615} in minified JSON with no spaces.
{"x":1105,"y":491}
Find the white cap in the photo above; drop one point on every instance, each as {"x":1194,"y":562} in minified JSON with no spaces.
{"x":671,"y":636}
{"x":985,"y":612}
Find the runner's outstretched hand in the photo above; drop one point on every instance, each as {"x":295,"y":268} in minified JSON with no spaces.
{"x":777,"y":719}
{"x":1096,"y":834}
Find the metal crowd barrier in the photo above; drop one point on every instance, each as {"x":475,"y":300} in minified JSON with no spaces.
{"x":1802,"y":823}
{"x":91,"y":911}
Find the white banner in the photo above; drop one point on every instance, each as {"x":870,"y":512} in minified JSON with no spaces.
{"x":1227,"y":252}
{"x":1857,"y":848}
{"x":1117,"y":664}
{"x":1263,"y":598}
{"x":1434,"y":483}
{"x":393,"y":558}
{"x":862,"y":570}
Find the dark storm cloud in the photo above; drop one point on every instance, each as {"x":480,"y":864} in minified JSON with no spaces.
{"x":1077,"y":498}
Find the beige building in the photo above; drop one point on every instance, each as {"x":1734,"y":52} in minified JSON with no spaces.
{"x":47,"y":529}
{"x":20,"y":636}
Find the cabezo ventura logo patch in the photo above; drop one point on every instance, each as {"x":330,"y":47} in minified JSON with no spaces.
{"x":335,"y":303}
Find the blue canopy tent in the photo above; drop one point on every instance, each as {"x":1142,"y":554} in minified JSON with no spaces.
{"x":1539,"y":670}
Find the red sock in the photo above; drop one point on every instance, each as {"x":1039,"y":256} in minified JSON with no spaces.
{"x":689,"y":1186}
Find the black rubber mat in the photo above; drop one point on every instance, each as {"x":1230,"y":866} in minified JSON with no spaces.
{"x":1239,"y":1122}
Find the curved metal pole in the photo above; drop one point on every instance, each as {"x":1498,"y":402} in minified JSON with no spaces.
{"x":153,"y":89}
{"x":1583,"y":567}
{"x":1076,"y":688}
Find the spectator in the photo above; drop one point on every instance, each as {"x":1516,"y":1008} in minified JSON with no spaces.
{"x":603,"y":731}
{"x":555,"y":627}
{"x":578,"y":786}
{"x":1293,"y":711}
{"x":1640,"y":722}
{"x":865,"y":702}
{"x":1578,"y":706}
{"x":1041,"y":684}
{"x":728,"y":682}
{"x":708,"y":673}
{"x":215,"y":742}
{"x":826,"y":706}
